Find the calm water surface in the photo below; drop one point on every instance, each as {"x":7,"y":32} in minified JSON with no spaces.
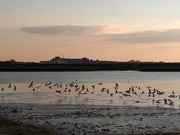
{"x":139,"y":81}
{"x":89,"y":77}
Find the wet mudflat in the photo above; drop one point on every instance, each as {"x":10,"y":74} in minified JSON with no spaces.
{"x":86,"y":119}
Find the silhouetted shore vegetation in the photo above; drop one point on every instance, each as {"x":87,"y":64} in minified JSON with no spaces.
{"x":118,"y":66}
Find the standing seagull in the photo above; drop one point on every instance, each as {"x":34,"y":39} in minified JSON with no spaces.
{"x":173,"y":92}
{"x":9,"y":85}
{"x":14,"y":88}
{"x":93,"y":86}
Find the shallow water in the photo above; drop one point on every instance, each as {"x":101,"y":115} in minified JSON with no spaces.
{"x":162,"y":81}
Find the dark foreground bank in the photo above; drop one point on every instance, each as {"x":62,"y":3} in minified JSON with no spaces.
{"x":120,"y":66}
{"x":8,"y":127}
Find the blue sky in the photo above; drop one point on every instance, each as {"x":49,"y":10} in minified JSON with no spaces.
{"x":73,"y":26}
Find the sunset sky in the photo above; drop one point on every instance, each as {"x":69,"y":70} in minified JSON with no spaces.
{"x":118,"y":30}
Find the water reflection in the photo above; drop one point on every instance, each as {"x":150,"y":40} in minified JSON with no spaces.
{"x":2,"y":99}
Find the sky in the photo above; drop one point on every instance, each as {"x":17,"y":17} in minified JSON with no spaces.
{"x":117,"y":30}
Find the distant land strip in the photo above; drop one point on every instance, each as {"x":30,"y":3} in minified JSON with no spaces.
{"x":120,"y":66}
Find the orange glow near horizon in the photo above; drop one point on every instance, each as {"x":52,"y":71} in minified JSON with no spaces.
{"x":36,"y":48}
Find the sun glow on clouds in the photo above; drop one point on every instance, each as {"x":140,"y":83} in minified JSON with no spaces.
{"x":104,"y":42}
{"x":73,"y":30}
{"x":111,"y":33}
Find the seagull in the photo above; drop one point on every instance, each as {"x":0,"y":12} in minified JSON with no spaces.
{"x":34,"y":89}
{"x":111,"y":94}
{"x":83,"y":87}
{"x":173,"y":92}
{"x":102,"y":90}
{"x":14,"y":88}
{"x":170,"y":102}
{"x":158,"y":101}
{"x":50,"y":87}
{"x":165,"y":101}
{"x":117,"y":85}
{"x":92,"y":92}
{"x":107,"y":90}
{"x":125,"y":94}
{"x":9,"y":85}
{"x":93,"y":86}
{"x":137,"y":101}
{"x":58,"y":91}
{"x":47,"y":84}
{"x":31,"y":84}
{"x":142,"y":92}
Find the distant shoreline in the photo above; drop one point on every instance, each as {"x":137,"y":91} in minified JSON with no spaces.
{"x":121,"y":66}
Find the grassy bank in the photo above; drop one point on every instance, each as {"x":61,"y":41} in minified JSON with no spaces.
{"x":8,"y":127}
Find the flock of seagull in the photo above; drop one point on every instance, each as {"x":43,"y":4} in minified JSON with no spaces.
{"x":81,"y":89}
